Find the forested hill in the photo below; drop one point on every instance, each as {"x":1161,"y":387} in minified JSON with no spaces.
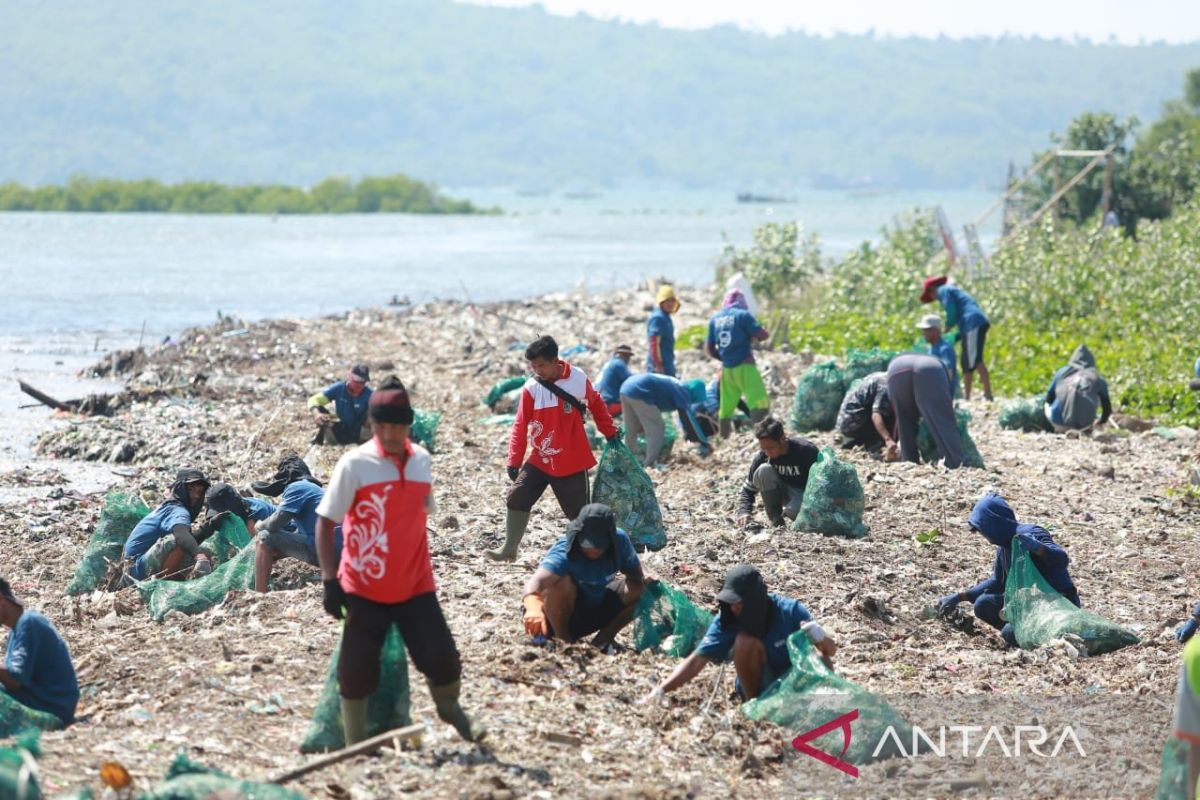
{"x":293,"y":90}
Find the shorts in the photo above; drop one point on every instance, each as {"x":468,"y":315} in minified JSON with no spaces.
{"x":588,"y":619}
{"x":736,"y":382}
{"x":427,"y":639}
{"x":151,"y":562}
{"x":973,"y":342}
{"x":290,"y":544}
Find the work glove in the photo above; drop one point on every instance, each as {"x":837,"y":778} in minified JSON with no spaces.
{"x":513,"y":472}
{"x":947,"y":603}
{"x":535,"y":615}
{"x":620,"y":432}
{"x":1027,"y":541}
{"x":1186,"y":630}
{"x":211,"y":525}
{"x":654,"y":697}
{"x":334,"y":599}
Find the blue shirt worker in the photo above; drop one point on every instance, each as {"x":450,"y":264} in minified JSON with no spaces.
{"x":931,"y":328}
{"x":644,"y":398}
{"x":994,"y":519}
{"x":291,"y":531}
{"x":37,"y":671}
{"x":350,"y":398}
{"x":615,"y":372}
{"x":589,"y":582}
{"x":731,"y":331}
{"x":222,"y":500}
{"x":964,"y":313}
{"x":1076,"y":393}
{"x":752,"y":626}
{"x":162,"y":543}
{"x":660,"y":332}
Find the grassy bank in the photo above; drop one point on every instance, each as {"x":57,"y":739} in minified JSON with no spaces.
{"x":388,"y":194}
{"x":1134,"y":301}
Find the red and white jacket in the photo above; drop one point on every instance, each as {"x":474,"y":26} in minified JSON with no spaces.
{"x":554,"y":428}
{"x":382,"y":508}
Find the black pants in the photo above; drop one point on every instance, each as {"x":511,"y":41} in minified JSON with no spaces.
{"x":427,"y":638}
{"x":531,"y":483}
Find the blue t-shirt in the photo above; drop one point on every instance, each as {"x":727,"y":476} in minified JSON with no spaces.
{"x":259,"y":509}
{"x":961,"y":309}
{"x":712,"y":398}
{"x":300,"y":499}
{"x":615,"y":372}
{"x":593,"y":575}
{"x":944,"y":352}
{"x":787,"y":616}
{"x":730,"y":332}
{"x":155,"y":525}
{"x":663,"y":327}
{"x":351,"y":411}
{"x":38,"y":658}
{"x":663,"y":391}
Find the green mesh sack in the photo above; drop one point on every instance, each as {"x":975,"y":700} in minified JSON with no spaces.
{"x":861,"y":363}
{"x":187,"y":780}
{"x":819,"y":394}
{"x":18,"y":768}
{"x":424,"y":428}
{"x":810,"y":695}
{"x":17,"y":718}
{"x":927,"y":447}
{"x":201,"y":594}
{"x":1039,"y":614}
{"x":665,"y":615}
{"x":624,"y":486}
{"x":670,"y":436}
{"x":229,"y":540}
{"x":1173,"y":774}
{"x":502,"y":388}
{"x":387,"y":707}
{"x":594,"y":438}
{"x":833,"y":499}
{"x":1025,"y":415}
{"x":121,"y":513}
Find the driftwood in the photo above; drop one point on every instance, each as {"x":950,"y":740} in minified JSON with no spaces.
{"x":93,"y":404}
{"x":46,"y":399}
{"x":337,"y":756}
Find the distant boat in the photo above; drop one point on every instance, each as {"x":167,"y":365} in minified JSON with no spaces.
{"x":584,"y":195}
{"x":751,"y":197}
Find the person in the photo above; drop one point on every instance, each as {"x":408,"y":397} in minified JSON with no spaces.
{"x":1187,"y":628}
{"x":753,"y":625}
{"x":917,"y":388}
{"x":994,"y":519}
{"x":964,"y":313}
{"x":615,"y":372}
{"x":644,"y":398}
{"x":162,"y":543}
{"x":660,"y":332}
{"x":589,"y":582}
{"x":1194,"y":385}
{"x":866,"y":418}
{"x":931,"y":328}
{"x":289,"y":532}
{"x":730,"y":334}
{"x":550,"y":422}
{"x":222,"y":497}
{"x":779,"y":472}
{"x":350,"y":398}
{"x":381,"y":494}
{"x":1185,"y":724}
{"x":37,"y":672}
{"x":1075,"y":392}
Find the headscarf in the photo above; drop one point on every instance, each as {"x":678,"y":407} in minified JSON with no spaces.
{"x":596,"y":526}
{"x":735,"y":299}
{"x":223,"y":497}
{"x":180,"y":493}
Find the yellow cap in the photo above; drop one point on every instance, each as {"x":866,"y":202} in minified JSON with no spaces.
{"x":666,"y":292}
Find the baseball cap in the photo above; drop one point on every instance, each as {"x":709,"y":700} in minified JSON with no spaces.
{"x":930,"y":321}
{"x":360,"y":372}
{"x":739,"y":582}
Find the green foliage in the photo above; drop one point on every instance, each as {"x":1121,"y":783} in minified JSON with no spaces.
{"x":393,"y":194}
{"x":691,"y":338}
{"x":778,"y":264}
{"x":1134,"y":301}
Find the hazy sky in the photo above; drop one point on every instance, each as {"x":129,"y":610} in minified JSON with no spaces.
{"x":1128,"y":20}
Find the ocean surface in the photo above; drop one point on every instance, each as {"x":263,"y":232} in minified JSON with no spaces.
{"x":76,"y":286}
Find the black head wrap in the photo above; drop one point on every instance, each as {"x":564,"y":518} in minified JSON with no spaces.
{"x":223,"y":497}
{"x":595,"y":527}
{"x":180,"y":493}
{"x":291,"y":469}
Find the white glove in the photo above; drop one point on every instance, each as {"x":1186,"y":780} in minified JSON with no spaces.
{"x":655,"y":697}
{"x":815,"y":632}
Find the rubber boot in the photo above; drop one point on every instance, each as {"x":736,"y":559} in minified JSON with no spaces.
{"x":726,"y":428}
{"x":354,"y":720}
{"x":757,"y":415}
{"x":773,"y":504}
{"x":515,"y":524}
{"x":445,"y":699}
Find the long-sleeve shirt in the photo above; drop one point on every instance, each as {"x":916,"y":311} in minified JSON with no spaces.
{"x":553,"y":429}
{"x":1052,"y":563}
{"x":666,"y":394}
{"x":961,"y":309}
{"x":793,"y":468}
{"x":1093,"y":383}
{"x":615,"y":372}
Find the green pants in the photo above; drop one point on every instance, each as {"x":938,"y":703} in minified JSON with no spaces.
{"x":742,"y":381}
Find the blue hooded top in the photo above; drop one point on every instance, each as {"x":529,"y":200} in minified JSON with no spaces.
{"x":996,"y":522}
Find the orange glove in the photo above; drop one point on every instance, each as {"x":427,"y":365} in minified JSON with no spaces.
{"x":535,"y":615}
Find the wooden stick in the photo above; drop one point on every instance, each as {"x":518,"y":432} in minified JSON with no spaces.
{"x":44,"y":398}
{"x":346,"y":753}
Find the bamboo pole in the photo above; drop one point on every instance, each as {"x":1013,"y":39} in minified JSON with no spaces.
{"x":337,"y":756}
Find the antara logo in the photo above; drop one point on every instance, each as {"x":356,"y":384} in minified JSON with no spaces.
{"x":801,"y":743}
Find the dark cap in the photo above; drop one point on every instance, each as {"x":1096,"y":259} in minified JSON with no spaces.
{"x":390,"y":403}
{"x":7,"y":593}
{"x":623,"y":350}
{"x":291,"y":469}
{"x":360,"y":372}
{"x":740,"y":582}
{"x":594,"y":528}
{"x":188,"y":475}
{"x":223,"y":497}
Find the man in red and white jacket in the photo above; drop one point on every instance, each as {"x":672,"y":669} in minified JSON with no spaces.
{"x":381,"y":494}
{"x":551,"y":427}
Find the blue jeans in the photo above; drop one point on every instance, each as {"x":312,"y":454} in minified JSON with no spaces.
{"x":987,"y":608}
